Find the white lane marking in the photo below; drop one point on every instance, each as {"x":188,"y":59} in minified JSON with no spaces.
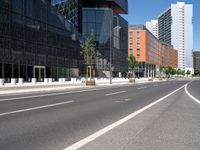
{"x":192,"y":97}
{"x":163,"y":83}
{"x":62,"y":93}
{"x":115,"y":93}
{"x":122,"y":101}
{"x":99,"y":133}
{"x":155,"y":85}
{"x":46,"y":95}
{"x":35,"y":108}
{"x":140,"y":88}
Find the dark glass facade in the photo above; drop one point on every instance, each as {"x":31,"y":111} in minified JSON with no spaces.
{"x":111,"y":36}
{"x":71,"y":10}
{"x":35,"y":41}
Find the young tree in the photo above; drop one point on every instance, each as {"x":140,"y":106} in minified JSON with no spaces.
{"x":88,"y":52}
{"x":132,"y":64}
{"x":188,"y":72}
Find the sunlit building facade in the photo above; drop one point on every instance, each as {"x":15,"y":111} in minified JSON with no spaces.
{"x":149,"y":52}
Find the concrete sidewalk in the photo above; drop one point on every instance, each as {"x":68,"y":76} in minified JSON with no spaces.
{"x":56,"y":86}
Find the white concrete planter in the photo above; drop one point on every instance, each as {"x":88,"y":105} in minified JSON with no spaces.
{"x":1,"y":82}
{"x":13,"y":81}
{"x":33,"y":80}
{"x":21,"y":81}
{"x":46,"y":80}
{"x":50,"y":80}
{"x":63,"y":80}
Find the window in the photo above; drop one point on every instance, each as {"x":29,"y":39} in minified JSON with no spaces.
{"x":131,"y":50}
{"x":138,"y":45}
{"x":131,"y":40}
{"x":131,"y":34}
{"x":138,"y":40}
{"x":138,"y":34}
{"x":138,"y":51}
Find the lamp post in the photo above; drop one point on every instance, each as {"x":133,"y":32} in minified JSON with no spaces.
{"x":110,"y":66}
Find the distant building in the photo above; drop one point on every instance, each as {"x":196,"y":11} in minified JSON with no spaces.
{"x":152,"y":26}
{"x":149,"y":51}
{"x":175,"y":27}
{"x":196,"y":56}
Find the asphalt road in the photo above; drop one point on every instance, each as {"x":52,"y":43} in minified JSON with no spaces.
{"x":55,"y":121}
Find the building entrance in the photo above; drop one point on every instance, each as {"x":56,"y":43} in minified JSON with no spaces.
{"x":39,"y":73}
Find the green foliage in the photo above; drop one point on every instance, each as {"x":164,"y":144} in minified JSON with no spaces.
{"x":188,"y":72}
{"x":179,"y":72}
{"x":132,"y":64}
{"x":170,"y":71}
{"x":88,"y":50}
{"x":197,"y":72}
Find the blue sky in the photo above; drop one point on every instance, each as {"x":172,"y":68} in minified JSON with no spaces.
{"x":142,"y":10}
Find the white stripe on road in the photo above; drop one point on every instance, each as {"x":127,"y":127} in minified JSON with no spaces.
{"x":155,"y":85}
{"x":192,"y":97}
{"x":140,"y":88}
{"x":99,"y":133}
{"x":115,"y":93}
{"x":35,"y":108}
{"x":52,"y":94}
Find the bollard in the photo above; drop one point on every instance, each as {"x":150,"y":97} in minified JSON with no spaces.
{"x":1,"y":81}
{"x":13,"y":81}
{"x":33,"y":80}
{"x":21,"y":81}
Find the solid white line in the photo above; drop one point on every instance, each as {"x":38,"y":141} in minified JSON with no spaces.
{"x":115,"y":93}
{"x":192,"y":97}
{"x":35,"y":108}
{"x":140,"y":88}
{"x":99,"y":133}
{"x":155,"y":85}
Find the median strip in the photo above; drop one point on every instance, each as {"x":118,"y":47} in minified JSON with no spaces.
{"x":35,"y":108}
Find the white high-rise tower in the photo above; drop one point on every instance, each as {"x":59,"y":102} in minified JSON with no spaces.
{"x":152,"y":26}
{"x":175,"y":27}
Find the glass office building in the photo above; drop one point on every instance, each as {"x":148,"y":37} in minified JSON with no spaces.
{"x":111,"y":34}
{"x":71,"y":10}
{"x":36,"y":41}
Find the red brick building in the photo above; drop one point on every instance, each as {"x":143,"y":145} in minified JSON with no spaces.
{"x":149,"y":51}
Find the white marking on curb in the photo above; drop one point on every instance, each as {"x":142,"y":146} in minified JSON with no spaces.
{"x":99,"y":133}
{"x":115,"y":93}
{"x":140,"y":88}
{"x":192,"y":97}
{"x":35,"y":108}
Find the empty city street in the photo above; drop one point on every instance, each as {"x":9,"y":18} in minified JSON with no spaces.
{"x":156,"y":115}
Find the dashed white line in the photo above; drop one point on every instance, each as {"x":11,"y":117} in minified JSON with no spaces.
{"x":35,"y":108}
{"x":115,"y":93}
{"x":192,"y":97}
{"x":99,"y":133}
{"x":140,"y":88}
{"x":155,"y":85}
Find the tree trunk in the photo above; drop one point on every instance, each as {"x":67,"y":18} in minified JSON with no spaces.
{"x":86,"y":73}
